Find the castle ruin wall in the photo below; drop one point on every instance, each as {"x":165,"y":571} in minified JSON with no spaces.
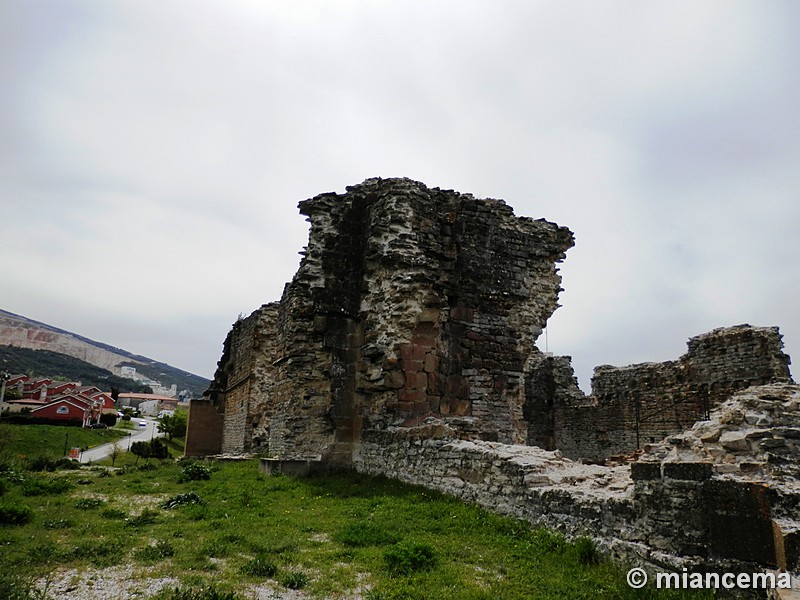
{"x":405,"y":346}
{"x":631,"y":407}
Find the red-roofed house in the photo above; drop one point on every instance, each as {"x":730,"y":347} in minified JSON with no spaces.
{"x":88,"y":390}
{"x":36,"y":389}
{"x":60,"y":387}
{"x":15,"y":380}
{"x":71,"y":407}
{"x":107,"y":400}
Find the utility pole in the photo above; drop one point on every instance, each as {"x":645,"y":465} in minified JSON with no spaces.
{"x":5,"y":376}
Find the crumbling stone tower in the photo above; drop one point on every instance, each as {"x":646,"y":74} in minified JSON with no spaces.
{"x":408,"y":302}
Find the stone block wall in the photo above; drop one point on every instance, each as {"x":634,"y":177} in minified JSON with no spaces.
{"x":682,"y":505}
{"x":631,"y":407}
{"x":227,"y":419}
{"x":409,"y":302}
{"x":405,"y":346}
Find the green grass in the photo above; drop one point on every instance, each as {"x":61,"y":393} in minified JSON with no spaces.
{"x":324,"y":535}
{"x":25,"y":441}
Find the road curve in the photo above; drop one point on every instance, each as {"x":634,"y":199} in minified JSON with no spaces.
{"x":140,"y":434}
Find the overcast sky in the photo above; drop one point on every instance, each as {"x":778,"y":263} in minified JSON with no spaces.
{"x":153,"y":154}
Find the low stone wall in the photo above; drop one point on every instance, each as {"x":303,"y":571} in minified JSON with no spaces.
{"x":674,"y":508}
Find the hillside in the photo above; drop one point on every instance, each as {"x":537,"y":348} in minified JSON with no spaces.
{"x":45,"y":363}
{"x":20,"y":332}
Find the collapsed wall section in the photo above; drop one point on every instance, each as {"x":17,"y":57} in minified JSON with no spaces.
{"x":631,"y":407}
{"x":227,"y":419}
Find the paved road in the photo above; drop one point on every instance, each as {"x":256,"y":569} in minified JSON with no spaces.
{"x":140,"y":434}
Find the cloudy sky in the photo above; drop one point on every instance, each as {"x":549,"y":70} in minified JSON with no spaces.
{"x":152,"y":155}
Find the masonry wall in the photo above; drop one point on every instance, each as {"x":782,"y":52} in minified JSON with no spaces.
{"x":631,"y":407}
{"x":409,"y":302}
{"x":721,"y":508}
{"x":203,"y":429}
{"x":674,"y":515}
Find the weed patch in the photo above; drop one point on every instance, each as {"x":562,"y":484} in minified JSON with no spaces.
{"x":586,"y":551}
{"x":100,"y":553}
{"x":113,"y":513}
{"x":365,"y":534}
{"x":407,"y":557}
{"x":15,"y":587}
{"x":193,"y":471}
{"x":57,"y":524}
{"x":210,"y":592}
{"x":260,"y":566}
{"x":294,"y":580}
{"x":89,"y":503}
{"x":158,"y":551}
{"x":147,"y":517}
{"x":186,"y":499}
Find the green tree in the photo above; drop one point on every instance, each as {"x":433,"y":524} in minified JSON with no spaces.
{"x":173,"y":425}
{"x":141,"y":449}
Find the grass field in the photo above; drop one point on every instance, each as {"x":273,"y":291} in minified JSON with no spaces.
{"x":52,"y":440}
{"x":342,"y":536}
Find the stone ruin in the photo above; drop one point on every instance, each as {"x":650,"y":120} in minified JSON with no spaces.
{"x":405,"y":346}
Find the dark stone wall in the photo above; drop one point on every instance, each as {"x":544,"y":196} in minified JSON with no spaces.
{"x":409,"y":302}
{"x":631,"y":407}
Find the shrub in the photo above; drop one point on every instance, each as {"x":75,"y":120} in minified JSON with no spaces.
{"x":364,"y":534}
{"x":193,"y":471}
{"x":260,"y":566}
{"x":109,"y":419}
{"x":140,"y":449}
{"x":15,"y":514}
{"x":182,"y":500}
{"x":41,"y":486}
{"x":41,"y":463}
{"x":89,"y":503}
{"x":407,"y":557}
{"x":294,"y":580}
{"x":158,"y":449}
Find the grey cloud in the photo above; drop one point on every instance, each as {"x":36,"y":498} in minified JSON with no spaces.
{"x":167,"y":145}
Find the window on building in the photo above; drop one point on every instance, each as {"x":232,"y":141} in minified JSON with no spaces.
{"x":63,"y":410}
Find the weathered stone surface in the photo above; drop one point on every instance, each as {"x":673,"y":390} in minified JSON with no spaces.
{"x":409,"y":302}
{"x":642,"y":404}
{"x":405,"y":346}
{"x":688,"y":470}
